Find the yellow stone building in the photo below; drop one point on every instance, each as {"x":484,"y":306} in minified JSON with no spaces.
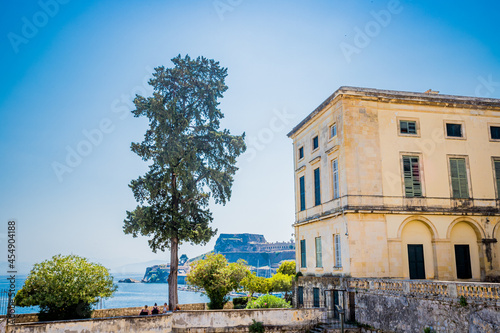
{"x":398,"y":184}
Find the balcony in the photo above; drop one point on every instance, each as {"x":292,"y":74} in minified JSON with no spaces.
{"x":398,"y":204}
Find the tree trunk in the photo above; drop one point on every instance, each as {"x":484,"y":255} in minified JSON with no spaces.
{"x":172,"y":277}
{"x":174,"y":247}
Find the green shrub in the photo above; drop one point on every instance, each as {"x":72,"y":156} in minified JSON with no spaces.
{"x":240,"y":302}
{"x":267,"y":302}
{"x":463,"y":301}
{"x":429,"y":330}
{"x":256,"y":327}
{"x":65,"y":287}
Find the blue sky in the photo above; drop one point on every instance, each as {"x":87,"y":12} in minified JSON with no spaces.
{"x":69,"y":71}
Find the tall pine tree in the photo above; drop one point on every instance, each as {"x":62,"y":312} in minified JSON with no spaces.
{"x":191,"y":158}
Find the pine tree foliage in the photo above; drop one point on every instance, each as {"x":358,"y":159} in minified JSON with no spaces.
{"x":191,"y":158}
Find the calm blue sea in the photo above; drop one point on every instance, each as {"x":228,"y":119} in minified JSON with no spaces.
{"x":127,"y":295}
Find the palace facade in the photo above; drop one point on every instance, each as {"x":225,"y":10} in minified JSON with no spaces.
{"x":399,"y":185}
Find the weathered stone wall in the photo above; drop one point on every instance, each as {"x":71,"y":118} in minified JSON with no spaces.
{"x":412,"y":314}
{"x":392,"y":305}
{"x":118,"y":312}
{"x":161,"y":323}
{"x":275,"y":320}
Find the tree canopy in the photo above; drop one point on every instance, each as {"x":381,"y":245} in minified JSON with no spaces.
{"x":217,"y":278}
{"x":191,"y":159}
{"x":255,"y":284}
{"x":287,"y":268}
{"x":65,"y":287}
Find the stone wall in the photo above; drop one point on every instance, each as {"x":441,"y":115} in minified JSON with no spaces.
{"x":118,"y":312}
{"x":275,"y":320}
{"x":161,"y":323}
{"x":391,"y":305}
{"x":413,"y":314}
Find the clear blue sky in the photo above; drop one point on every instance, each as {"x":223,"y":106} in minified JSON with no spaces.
{"x":73,"y":68}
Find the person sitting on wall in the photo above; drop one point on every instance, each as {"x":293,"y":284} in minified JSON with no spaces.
{"x":155,"y":310}
{"x":145,"y":311}
{"x":166,"y":308}
{"x":177,"y":308}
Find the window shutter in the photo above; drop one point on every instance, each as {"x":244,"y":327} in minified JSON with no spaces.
{"x":335,"y":169}
{"x":317,"y":188}
{"x":459,"y":182}
{"x":338,"y":253}
{"x":497,"y":175}
{"x":319,"y":259}
{"x":302,"y":193}
{"x":412,"y":183}
{"x":303,"y":253}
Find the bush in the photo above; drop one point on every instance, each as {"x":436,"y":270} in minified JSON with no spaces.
{"x":268,"y":302}
{"x":256,"y":327}
{"x":240,"y":302}
{"x":217,"y":277}
{"x":65,"y":287}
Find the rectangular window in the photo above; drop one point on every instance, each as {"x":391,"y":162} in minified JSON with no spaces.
{"x":316,"y":297}
{"x":407,"y":127}
{"x":412,"y":181}
{"x":319,"y":259}
{"x":497,"y":176}
{"x":333,"y":130}
{"x":495,"y":132}
{"x":458,"y":173}
{"x":315,"y":142}
{"x":317,"y":188}
{"x":301,"y":153}
{"x":335,"y":176}
{"x":302,"y":193}
{"x":303,"y":253}
{"x":338,"y":252}
{"x":454,"y":130}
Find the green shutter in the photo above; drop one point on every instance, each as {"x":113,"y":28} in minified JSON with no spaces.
{"x":303,"y":253}
{"x":411,"y":171}
{"x":497,"y":176}
{"x":317,"y":188}
{"x":319,"y":259}
{"x":302,"y":194}
{"x":459,"y":184}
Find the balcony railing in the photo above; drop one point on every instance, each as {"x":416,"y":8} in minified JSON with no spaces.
{"x":448,"y":289}
{"x":362,"y":203}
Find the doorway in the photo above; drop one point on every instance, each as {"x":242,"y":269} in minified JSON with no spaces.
{"x":416,"y":261}
{"x":462,"y":260}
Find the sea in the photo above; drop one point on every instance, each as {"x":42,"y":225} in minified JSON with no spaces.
{"x":127,"y":295}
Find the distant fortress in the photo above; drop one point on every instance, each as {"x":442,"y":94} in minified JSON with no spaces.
{"x":263,"y":257}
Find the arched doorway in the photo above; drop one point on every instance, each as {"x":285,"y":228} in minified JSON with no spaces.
{"x":465,"y":249}
{"x":417,"y":250}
